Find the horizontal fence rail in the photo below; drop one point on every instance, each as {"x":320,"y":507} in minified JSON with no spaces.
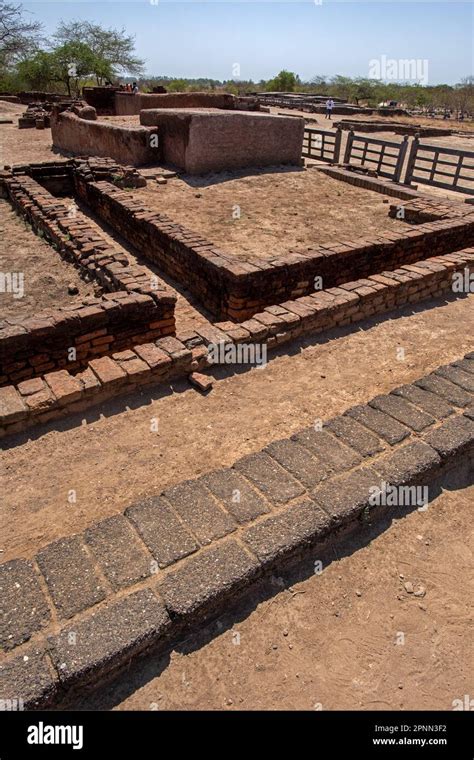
{"x":322,"y":144}
{"x":448,"y":168}
{"x":382,"y":156}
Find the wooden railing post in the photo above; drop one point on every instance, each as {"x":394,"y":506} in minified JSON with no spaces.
{"x":411,"y":160}
{"x":347,"y":152}
{"x":337,"y":145}
{"x":400,"y":159}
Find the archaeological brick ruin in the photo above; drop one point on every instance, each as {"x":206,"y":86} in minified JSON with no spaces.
{"x":151,"y":203}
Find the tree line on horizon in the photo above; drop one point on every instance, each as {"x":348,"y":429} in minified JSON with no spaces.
{"x":84,"y":53}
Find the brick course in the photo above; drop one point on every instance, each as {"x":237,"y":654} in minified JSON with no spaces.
{"x":170,"y":357}
{"x":135,"y":608}
{"x":236,"y":290}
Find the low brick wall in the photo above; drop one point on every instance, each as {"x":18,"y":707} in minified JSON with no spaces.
{"x":233,"y":289}
{"x":135,"y":311}
{"x":71,"y":336}
{"x":355,"y":175}
{"x":77,"y":241}
{"x":156,"y":362}
{"x":186,"y":256}
{"x":427,"y":209}
{"x":129,"y":145}
{"x":205,"y":141}
{"x":399,"y":128}
{"x":101,"y":98}
{"x":128,"y":104}
{"x":176,"y":560}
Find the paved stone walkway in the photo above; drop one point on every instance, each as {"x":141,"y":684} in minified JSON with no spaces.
{"x":88,"y":603}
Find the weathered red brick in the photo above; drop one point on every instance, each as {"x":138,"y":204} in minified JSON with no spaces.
{"x":28,"y":387}
{"x":12,"y":407}
{"x":40,"y":401}
{"x":64,"y":386}
{"x":107,"y":370}
{"x":153,"y":355}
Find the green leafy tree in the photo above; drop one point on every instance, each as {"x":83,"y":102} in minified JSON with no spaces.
{"x":75,"y":62}
{"x":19,"y":34}
{"x":113,"y":49}
{"x":177,"y":85}
{"x":69,"y":65}
{"x":285,"y":81}
{"x":38,"y":72}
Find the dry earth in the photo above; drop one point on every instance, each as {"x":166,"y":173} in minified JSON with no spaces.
{"x":271,"y":212}
{"x":351,"y":638}
{"x":113,"y":458}
{"x":46,"y":276}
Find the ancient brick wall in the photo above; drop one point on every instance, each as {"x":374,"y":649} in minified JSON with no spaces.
{"x":134,"y":311}
{"x":233,"y":289}
{"x":397,"y":127}
{"x":129,"y":145}
{"x":127,"y":104}
{"x":213,"y":140}
{"x":101,"y":98}
{"x":59,"y":393}
{"x":97,"y":327}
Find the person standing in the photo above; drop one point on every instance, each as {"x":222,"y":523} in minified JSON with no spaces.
{"x":329,"y":107}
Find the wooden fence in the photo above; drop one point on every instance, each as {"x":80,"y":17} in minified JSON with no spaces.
{"x":382,"y":156}
{"x":448,"y":168}
{"x":322,"y":144}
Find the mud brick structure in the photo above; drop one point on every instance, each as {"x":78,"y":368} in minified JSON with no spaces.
{"x":271,"y":301}
{"x":43,"y":343}
{"x":234,"y":289}
{"x":35,"y":116}
{"x":132,"y":311}
{"x":201,"y":141}
{"x":143,"y":579}
{"x":426,"y":209}
{"x":113,"y":101}
{"x":170,"y":357}
{"x":34,"y":96}
{"x":127,"y":104}
{"x":400,"y":128}
{"x":101,"y":98}
{"x":129,"y":145}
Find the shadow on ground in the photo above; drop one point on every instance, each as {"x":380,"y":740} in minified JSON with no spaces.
{"x":145,"y":669}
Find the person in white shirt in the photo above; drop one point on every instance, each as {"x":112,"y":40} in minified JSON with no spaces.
{"x":329,"y":107}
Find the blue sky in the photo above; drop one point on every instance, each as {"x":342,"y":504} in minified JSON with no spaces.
{"x":195,"y":39}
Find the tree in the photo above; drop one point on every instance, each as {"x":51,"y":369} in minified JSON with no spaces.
{"x":69,"y":65}
{"x":111,"y":47}
{"x":18,"y":34}
{"x":39,"y":71}
{"x":285,"y":81}
{"x":76,"y":61}
{"x":464,"y":95}
{"x":177,"y":85}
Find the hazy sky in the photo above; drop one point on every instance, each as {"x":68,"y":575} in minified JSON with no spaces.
{"x":196,"y":39}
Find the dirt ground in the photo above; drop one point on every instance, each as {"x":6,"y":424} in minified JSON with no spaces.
{"x":111,"y":458}
{"x":46,"y":275}
{"x":189,"y":312}
{"x":21,"y":146}
{"x":351,"y":638}
{"x":269,"y":213}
